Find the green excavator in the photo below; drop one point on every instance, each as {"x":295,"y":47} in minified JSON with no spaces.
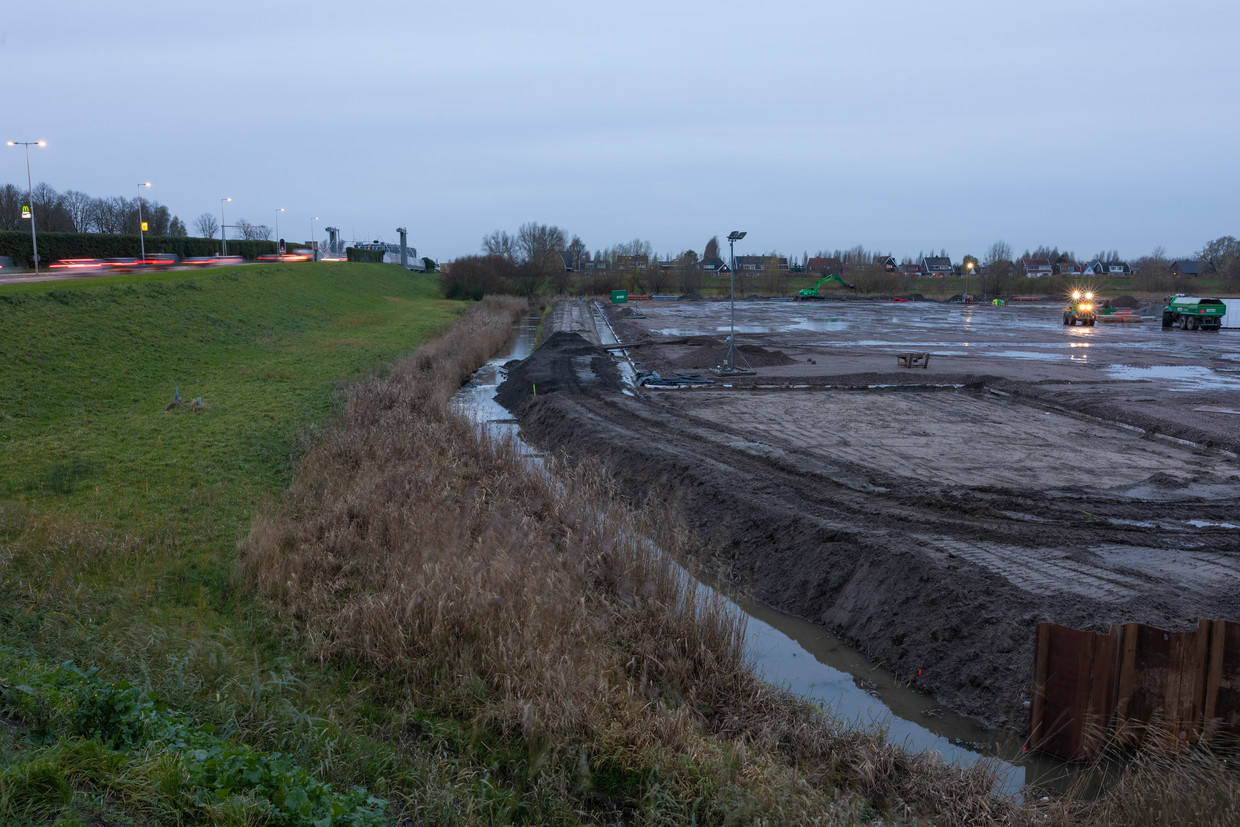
{"x":810,"y":293}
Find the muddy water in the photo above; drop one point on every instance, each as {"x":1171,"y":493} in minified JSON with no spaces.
{"x":796,"y":655}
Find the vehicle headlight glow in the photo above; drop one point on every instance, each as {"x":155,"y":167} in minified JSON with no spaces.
{"x":1089,"y":295}
{"x":1076,"y":294}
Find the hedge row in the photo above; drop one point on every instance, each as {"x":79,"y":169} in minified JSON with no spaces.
{"x":356,"y":254}
{"x":54,"y":246}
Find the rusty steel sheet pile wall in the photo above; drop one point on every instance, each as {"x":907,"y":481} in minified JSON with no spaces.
{"x":1134,"y":686}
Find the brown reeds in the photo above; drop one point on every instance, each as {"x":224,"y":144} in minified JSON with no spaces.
{"x":544,"y":607}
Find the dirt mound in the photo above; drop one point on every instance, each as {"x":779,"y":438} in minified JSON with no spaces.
{"x":1126,"y":301}
{"x":563,"y":362}
{"x":713,"y":355}
{"x":693,"y":297}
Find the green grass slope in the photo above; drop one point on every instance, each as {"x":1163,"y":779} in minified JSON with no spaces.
{"x":120,"y":513}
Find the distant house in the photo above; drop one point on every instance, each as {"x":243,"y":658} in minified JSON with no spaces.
{"x":1037,"y":268}
{"x":889,"y":265}
{"x":1108,"y":268}
{"x":825,"y":266}
{"x":595,"y":265}
{"x":713,"y":264}
{"x":913,"y":269}
{"x":632,"y":262}
{"x":1067,"y":268}
{"x":1191,"y":268}
{"x":750,"y":264}
{"x":936,"y":266}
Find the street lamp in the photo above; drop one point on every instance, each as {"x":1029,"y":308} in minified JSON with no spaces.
{"x":968,"y":270}
{"x":733,"y":237}
{"x":313,"y":244}
{"x":141,"y":241}
{"x":279,"y":247}
{"x":34,"y":241}
{"x":223,"y":232}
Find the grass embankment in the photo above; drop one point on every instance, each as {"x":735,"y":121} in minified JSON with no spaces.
{"x":119,"y":516}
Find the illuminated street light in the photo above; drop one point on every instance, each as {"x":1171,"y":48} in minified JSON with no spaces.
{"x":34,"y":241}
{"x":733,"y":237}
{"x":223,"y":232}
{"x":141,"y":241}
{"x":968,"y":270}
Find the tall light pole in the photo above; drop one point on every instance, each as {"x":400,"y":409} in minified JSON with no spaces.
{"x":733,"y":237}
{"x":34,"y":240}
{"x":279,"y":247}
{"x":141,"y":241}
{"x":968,"y":269}
{"x":223,"y":232}
{"x":314,"y":246}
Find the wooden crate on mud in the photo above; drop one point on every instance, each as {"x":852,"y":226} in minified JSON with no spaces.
{"x":1135,"y":685}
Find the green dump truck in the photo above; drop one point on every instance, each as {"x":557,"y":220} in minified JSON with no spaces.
{"x":1193,"y":313}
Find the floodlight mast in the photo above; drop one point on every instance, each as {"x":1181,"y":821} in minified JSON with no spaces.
{"x":733,"y":237}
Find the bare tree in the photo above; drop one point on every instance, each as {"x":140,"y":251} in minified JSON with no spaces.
{"x":206,"y":225}
{"x":110,"y":215}
{"x":500,"y":244}
{"x":999,"y":251}
{"x":253,"y":232}
{"x":11,"y":200}
{"x":78,"y":210}
{"x":690,"y":272}
{"x":540,"y":246}
{"x":48,"y":206}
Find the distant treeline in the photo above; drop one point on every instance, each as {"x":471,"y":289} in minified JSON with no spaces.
{"x":58,"y":245}
{"x":76,"y":212}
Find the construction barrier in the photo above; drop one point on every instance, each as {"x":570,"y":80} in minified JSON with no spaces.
{"x":1135,"y":686}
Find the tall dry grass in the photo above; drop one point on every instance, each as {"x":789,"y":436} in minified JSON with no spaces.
{"x":539,"y":605}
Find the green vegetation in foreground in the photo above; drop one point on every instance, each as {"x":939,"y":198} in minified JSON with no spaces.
{"x":119,"y":516}
{"x":85,"y":731}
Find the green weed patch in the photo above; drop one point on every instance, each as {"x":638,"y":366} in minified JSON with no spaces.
{"x":81,"y":732}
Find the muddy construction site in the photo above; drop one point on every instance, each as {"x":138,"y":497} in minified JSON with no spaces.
{"x":1022,"y":470}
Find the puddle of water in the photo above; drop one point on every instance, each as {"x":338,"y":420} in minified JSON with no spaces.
{"x":1184,"y":377}
{"x":1210,"y":524}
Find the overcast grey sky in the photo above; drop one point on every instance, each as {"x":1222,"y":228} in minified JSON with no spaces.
{"x":903,"y":126}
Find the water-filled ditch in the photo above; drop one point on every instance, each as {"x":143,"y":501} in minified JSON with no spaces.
{"x":797,"y":655}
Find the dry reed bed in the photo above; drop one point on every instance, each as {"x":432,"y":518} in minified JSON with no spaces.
{"x":410,"y":543}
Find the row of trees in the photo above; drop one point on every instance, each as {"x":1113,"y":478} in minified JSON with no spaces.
{"x":76,"y":212}
{"x":533,"y":259}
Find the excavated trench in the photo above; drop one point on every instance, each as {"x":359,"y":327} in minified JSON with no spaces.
{"x":930,"y":519}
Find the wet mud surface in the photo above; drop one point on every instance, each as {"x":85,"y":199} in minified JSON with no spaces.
{"x":931,"y":516}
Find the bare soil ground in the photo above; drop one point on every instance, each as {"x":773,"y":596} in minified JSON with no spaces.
{"x":932,"y":516}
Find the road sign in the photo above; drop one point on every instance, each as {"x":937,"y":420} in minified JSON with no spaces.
{"x":25,"y":211}
{"x":145,"y":228}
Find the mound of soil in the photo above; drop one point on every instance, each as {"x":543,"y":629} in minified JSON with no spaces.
{"x":563,"y":362}
{"x":1126,"y":301}
{"x":713,"y":356}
